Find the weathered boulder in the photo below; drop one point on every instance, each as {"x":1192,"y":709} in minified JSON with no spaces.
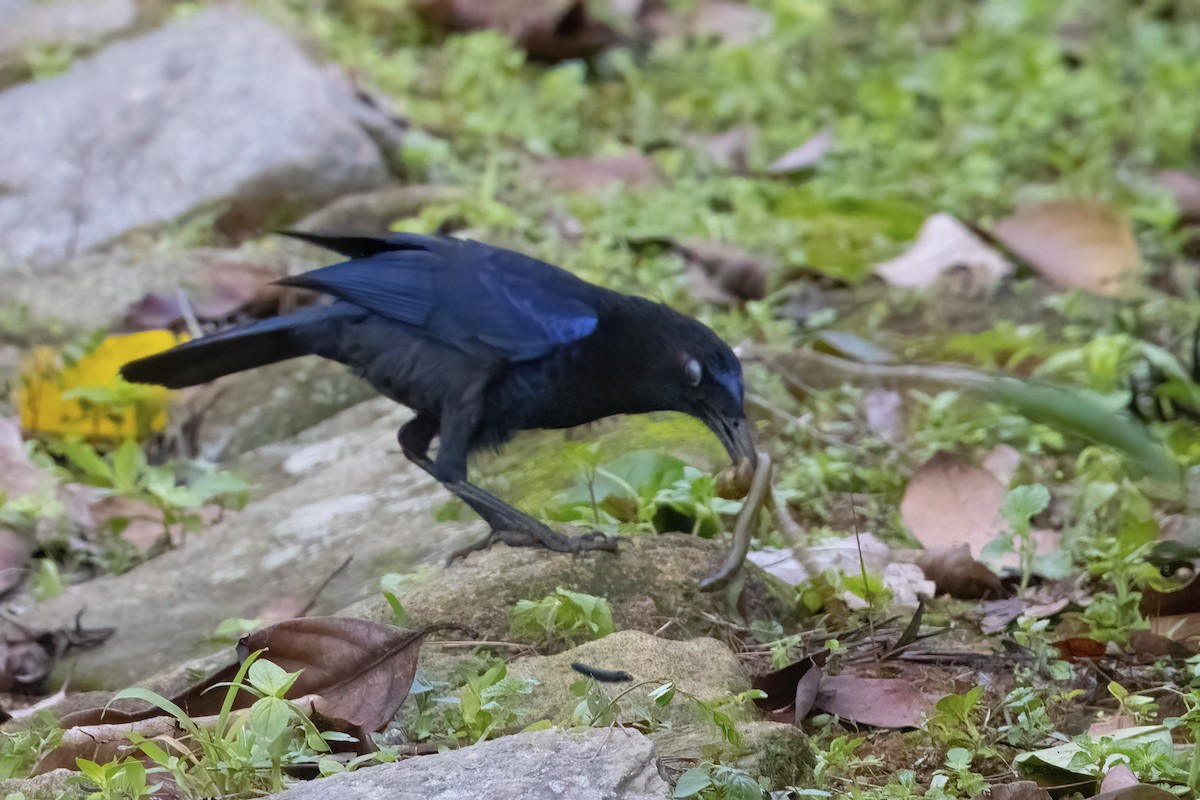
{"x":219,"y":108}
{"x":55,"y":785}
{"x":610,"y":764}
{"x":483,"y":587}
{"x":703,"y":668}
{"x":341,"y":491}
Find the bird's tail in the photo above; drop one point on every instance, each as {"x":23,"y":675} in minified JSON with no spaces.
{"x":255,"y":345}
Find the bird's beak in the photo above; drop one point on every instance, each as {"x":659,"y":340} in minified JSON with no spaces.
{"x":735,"y":435}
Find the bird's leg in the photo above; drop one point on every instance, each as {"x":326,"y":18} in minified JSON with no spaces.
{"x":514,"y":528}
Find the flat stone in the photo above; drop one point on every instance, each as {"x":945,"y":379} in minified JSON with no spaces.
{"x":218,"y":108}
{"x":646,"y":658}
{"x":609,"y":764}
{"x":344,"y":491}
{"x":481,"y":589}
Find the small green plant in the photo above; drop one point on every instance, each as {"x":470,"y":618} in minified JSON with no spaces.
{"x":596,"y":709}
{"x":1138,"y":707}
{"x":645,"y":490}
{"x":1027,"y":715}
{"x":956,"y":779}
{"x":709,"y":781}
{"x":839,"y":760}
{"x":1020,"y":506}
{"x":564,"y":617}
{"x":956,"y":723}
{"x":244,"y":752}
{"x":126,"y":473}
{"x":116,"y":780}
{"x":21,"y":750}
{"x":489,"y":704}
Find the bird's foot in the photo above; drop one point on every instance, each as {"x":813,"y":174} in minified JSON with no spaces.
{"x":539,"y":535}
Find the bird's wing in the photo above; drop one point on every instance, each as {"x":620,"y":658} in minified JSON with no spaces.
{"x":478,"y":298}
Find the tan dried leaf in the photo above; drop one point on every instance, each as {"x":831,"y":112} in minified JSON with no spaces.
{"x":1075,"y":243}
{"x":944,"y":243}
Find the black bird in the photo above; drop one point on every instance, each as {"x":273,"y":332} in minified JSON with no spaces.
{"x":481,"y":343}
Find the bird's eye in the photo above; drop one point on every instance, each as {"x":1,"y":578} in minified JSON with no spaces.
{"x":694,"y":372}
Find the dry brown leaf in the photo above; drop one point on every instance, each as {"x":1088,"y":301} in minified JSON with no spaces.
{"x":355,"y":672}
{"x":881,"y":702}
{"x":944,"y":243}
{"x":1148,"y":647}
{"x":951,"y":502}
{"x":585,"y":175}
{"x":1121,"y":784}
{"x":548,"y":30}
{"x":1185,"y":189}
{"x":1075,"y":243}
{"x":804,"y":157}
{"x":1184,"y":628}
{"x":1079,"y":648}
{"x":807,"y":689}
{"x":954,"y":571}
{"x":1184,"y":600}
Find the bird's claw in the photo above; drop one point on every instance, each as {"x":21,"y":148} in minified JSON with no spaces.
{"x":541,"y":536}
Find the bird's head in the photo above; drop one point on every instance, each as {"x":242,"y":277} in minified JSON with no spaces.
{"x":706,"y":382}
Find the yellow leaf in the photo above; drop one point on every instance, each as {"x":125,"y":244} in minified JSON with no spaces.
{"x":89,"y":398}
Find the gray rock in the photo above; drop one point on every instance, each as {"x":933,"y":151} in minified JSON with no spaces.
{"x":664,"y":570}
{"x":343,"y":491}
{"x":704,"y":668}
{"x":274,"y":403}
{"x":25,"y":24}
{"x":611,"y":764}
{"x":55,"y":785}
{"x":218,"y":108}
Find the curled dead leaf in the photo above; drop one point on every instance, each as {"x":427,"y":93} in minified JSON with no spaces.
{"x":1075,"y":243}
{"x":804,"y":157}
{"x":956,"y":573}
{"x":944,"y":243}
{"x":729,"y":150}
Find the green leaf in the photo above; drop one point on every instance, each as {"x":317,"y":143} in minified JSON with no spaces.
{"x":692,"y":783}
{"x":270,"y":717}
{"x":271,"y":679}
{"x":84,"y":457}
{"x":128,"y":463}
{"x":1023,"y":503}
{"x":663,"y":695}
